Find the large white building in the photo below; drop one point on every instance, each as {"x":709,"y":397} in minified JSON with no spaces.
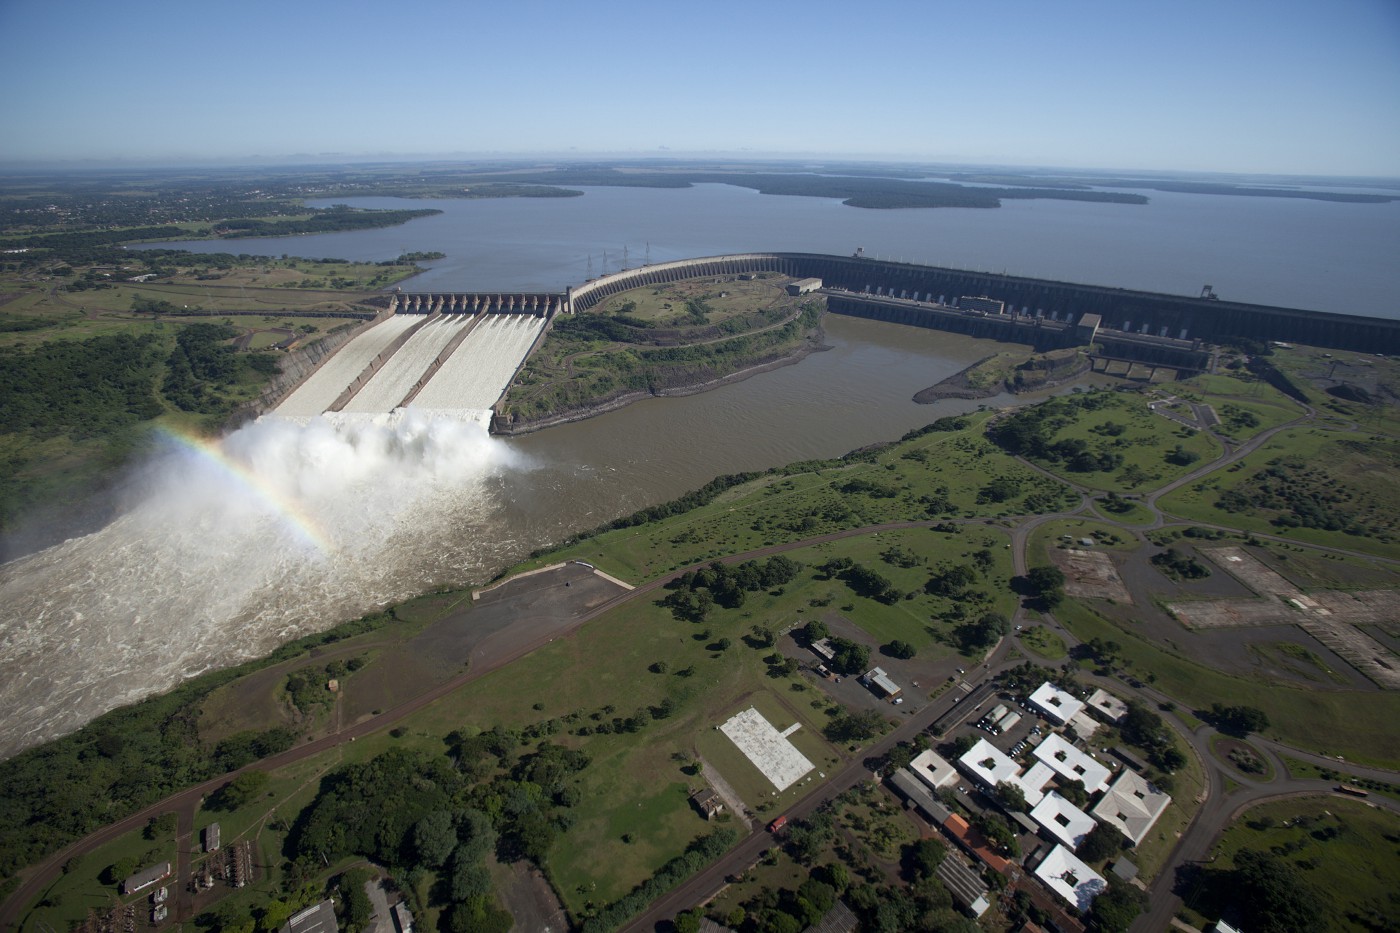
{"x":1070,"y":878}
{"x":1055,"y":704}
{"x":989,"y":767}
{"x":1062,"y":819}
{"x":933,"y":769}
{"x":1072,"y":764}
{"x":1107,"y":706}
{"x":1131,"y":805}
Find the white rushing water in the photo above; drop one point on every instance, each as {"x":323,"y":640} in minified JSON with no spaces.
{"x":324,"y":386}
{"x":387,"y":388}
{"x":477,"y":374}
{"x":230,"y":549}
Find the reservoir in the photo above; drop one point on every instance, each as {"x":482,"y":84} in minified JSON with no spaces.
{"x":1316,"y":255}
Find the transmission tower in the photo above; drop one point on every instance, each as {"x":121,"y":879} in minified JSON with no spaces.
{"x":648,"y":256}
{"x":624,"y":257}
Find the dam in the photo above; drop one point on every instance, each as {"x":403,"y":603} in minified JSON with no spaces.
{"x":458,"y":352}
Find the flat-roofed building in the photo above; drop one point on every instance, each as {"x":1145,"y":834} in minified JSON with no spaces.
{"x":211,"y":837}
{"x":1107,"y":707}
{"x":318,"y":918}
{"x":1054,"y":703}
{"x":877,"y":680}
{"x":966,"y":885}
{"x":1077,"y":883}
{"x":803,"y":286}
{"x":1062,"y":819}
{"x":1032,"y":781}
{"x":146,"y":877}
{"x":1083,"y":724}
{"x":822,"y":647}
{"x":986,"y":764}
{"x":916,"y":792}
{"x":1131,"y":805}
{"x":933,"y":769}
{"x":1072,"y":764}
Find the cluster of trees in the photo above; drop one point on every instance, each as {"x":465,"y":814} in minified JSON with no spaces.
{"x":337,"y":219}
{"x":982,"y":632}
{"x":1238,"y":721}
{"x":1031,"y":432}
{"x":862,"y":580}
{"x":1143,"y":728}
{"x":1046,"y":583}
{"x":1303,"y":496}
{"x":306,"y":687}
{"x":77,"y":388}
{"x":1180,"y":566}
{"x":203,"y":366}
{"x":694,"y":593}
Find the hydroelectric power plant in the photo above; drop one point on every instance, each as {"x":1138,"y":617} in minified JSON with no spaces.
{"x":456,"y":354}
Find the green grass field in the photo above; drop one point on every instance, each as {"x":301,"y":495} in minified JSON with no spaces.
{"x":1358,"y":725}
{"x":1344,"y":848}
{"x":1341,"y":473}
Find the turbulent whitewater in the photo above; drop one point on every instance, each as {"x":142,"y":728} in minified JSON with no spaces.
{"x":229,"y":549}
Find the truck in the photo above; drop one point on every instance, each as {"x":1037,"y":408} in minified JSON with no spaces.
{"x":777,"y":825}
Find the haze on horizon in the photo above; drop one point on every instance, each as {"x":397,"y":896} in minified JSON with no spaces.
{"x":1250,"y":86}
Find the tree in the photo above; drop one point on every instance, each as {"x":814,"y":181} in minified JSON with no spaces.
{"x":1238,"y":721}
{"x":1273,"y":894}
{"x":849,"y":657}
{"x":434,"y":838}
{"x":239,"y":791}
{"x":925,"y":856}
{"x":816,"y":630}
{"x":1115,"y":909}
{"x":900,"y":649}
{"x":1102,"y":842}
{"x":1011,"y":797}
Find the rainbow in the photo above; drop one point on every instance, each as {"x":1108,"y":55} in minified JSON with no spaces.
{"x":293,"y":515}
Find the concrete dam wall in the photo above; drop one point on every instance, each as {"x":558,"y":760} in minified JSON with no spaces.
{"x":1123,"y":310}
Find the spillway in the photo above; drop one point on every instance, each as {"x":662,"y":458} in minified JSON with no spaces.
{"x":479,"y":371}
{"x":324,"y":386}
{"x":386,"y":390}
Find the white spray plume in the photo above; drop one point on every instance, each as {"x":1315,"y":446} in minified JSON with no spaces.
{"x":229,"y":549}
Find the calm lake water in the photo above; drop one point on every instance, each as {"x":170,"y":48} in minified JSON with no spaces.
{"x":1295,"y":253}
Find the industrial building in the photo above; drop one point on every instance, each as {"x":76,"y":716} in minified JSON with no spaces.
{"x":146,"y":877}
{"x":319,"y":918}
{"x":803,"y":286}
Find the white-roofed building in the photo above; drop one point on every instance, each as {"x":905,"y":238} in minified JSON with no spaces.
{"x":1033,"y":782}
{"x":1062,"y":819}
{"x":1083,"y":724}
{"x":987,"y":765}
{"x":1054,"y":703}
{"x":1131,"y":805}
{"x":877,"y":680}
{"x":1107,"y":706}
{"x":933,"y":769}
{"x":1072,"y":764}
{"x":1063,"y":873}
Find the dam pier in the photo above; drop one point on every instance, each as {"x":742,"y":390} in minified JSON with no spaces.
{"x":457,"y":352}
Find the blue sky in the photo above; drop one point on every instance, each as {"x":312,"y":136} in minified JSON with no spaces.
{"x":1283,"y":86}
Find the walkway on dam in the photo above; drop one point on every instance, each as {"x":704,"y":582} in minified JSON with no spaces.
{"x":324,"y":386}
{"x":477,"y":374}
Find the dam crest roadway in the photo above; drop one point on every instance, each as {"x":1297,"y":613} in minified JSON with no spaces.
{"x":455,"y":354}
